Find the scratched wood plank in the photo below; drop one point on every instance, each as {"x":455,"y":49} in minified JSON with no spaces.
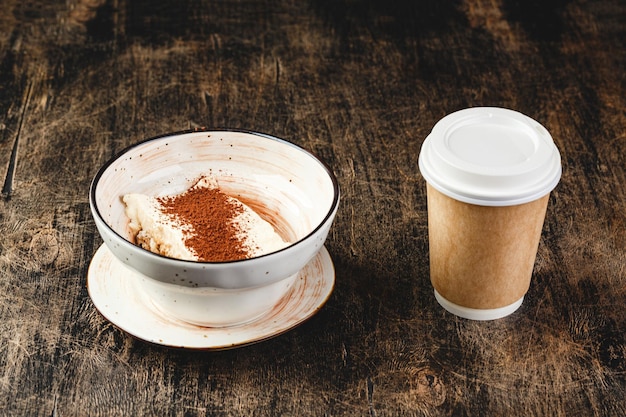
{"x":360,"y":83}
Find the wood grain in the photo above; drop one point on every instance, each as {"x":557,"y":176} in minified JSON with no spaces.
{"x":360,"y":83}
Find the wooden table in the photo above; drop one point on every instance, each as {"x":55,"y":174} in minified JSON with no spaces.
{"x":360,"y":83}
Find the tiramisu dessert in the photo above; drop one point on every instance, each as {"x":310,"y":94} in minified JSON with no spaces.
{"x":201,"y":224}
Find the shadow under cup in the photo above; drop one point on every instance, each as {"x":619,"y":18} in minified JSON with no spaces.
{"x":489,"y":174}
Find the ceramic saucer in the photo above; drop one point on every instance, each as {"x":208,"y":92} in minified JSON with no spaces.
{"x":110,"y":287}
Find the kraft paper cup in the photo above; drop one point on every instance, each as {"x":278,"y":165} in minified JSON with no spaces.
{"x":489,"y":174}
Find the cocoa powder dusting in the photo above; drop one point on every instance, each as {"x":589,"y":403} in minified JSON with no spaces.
{"x":210,"y":213}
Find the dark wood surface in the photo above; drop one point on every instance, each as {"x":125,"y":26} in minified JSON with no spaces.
{"x":361,"y":84}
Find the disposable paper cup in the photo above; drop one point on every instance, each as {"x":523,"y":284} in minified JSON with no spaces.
{"x":489,"y":174}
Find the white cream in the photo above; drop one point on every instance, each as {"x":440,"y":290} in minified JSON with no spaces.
{"x":159,"y":233}
{"x":153,"y":230}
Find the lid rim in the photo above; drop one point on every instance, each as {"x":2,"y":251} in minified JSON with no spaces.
{"x":504,"y":201}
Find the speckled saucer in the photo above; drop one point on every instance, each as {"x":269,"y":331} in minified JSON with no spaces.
{"x":111,"y":289}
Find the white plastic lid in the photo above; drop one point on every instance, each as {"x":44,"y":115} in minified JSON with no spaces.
{"x":490,"y":156}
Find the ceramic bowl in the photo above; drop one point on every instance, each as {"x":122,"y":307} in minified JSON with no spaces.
{"x":288,"y":186}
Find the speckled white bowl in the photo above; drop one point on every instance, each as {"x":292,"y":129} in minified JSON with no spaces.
{"x":288,"y":186}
